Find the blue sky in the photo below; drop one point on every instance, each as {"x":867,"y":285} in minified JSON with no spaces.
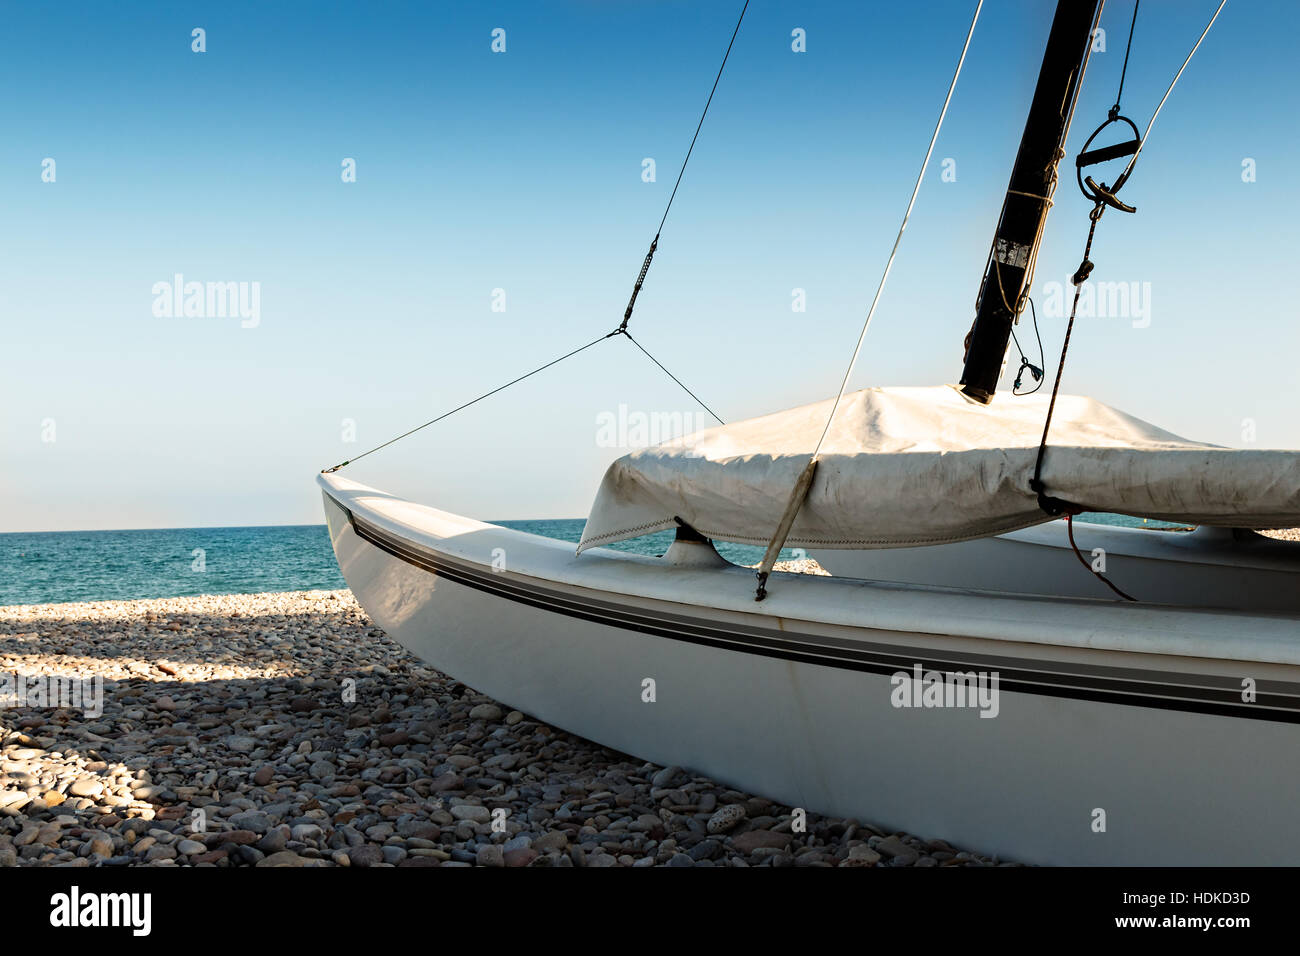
{"x":522,"y":171}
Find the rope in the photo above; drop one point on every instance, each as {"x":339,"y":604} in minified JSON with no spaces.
{"x":1055,"y":506}
{"x":801,"y":488}
{"x":1051,"y":505}
{"x":1069,"y":530}
{"x":654,"y":244}
{"x":1036,"y":371}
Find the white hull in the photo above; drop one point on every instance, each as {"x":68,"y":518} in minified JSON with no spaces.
{"x":1134,"y":710}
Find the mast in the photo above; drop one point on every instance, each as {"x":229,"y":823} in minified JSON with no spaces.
{"x":1024,"y":210}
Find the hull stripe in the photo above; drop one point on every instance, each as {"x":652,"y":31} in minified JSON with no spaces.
{"x":1216,"y":695}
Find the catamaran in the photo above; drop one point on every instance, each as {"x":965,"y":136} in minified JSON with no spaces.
{"x":967,"y":672}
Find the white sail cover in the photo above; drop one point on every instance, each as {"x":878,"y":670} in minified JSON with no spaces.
{"x":903,"y":467}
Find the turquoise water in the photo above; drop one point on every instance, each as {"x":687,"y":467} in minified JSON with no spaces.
{"x":570,"y":529}
{"x":53,"y":567}
{"x":39,"y":568}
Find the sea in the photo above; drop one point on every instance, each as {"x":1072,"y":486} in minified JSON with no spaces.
{"x":61,"y":566}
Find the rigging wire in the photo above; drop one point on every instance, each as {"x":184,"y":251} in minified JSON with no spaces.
{"x":889,"y":264}
{"x":1172,"y":84}
{"x":654,"y":243}
{"x":1052,"y":505}
{"x":1127,"y":49}
{"x":1086,"y":266}
{"x":672,"y":376}
{"x":473,"y":401}
{"x":515,"y":381}
{"x":622,"y":328}
{"x":705,"y":113}
{"x":800,"y":490}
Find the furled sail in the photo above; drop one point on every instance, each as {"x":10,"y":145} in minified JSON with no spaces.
{"x":903,"y":467}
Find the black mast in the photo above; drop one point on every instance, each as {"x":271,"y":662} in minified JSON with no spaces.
{"x":1024,"y":210}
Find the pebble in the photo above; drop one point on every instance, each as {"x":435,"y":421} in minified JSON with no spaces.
{"x":554,"y":840}
{"x":864,"y":854}
{"x":704,"y":850}
{"x":86,"y":787}
{"x":665,"y":777}
{"x":519,"y":857}
{"x":471,"y":813}
{"x":14,"y":800}
{"x":229,"y":738}
{"x":490,"y":854}
{"x":752,"y":840}
{"x":898,"y":851}
{"x":365,"y":855}
{"x":726,"y":818}
{"x":274,"y":841}
{"x":251,"y":820}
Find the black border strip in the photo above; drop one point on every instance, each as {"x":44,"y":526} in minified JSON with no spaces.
{"x":1168,"y":691}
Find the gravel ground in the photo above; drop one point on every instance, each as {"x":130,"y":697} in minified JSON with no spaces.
{"x":225,"y":740}
{"x":801,"y":566}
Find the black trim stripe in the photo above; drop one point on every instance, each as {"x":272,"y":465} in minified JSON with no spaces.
{"x":1221,"y":696}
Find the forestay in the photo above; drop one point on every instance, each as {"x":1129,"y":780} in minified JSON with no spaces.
{"x":903,"y":467}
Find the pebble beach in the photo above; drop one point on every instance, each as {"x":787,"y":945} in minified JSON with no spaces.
{"x":285,"y":729}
